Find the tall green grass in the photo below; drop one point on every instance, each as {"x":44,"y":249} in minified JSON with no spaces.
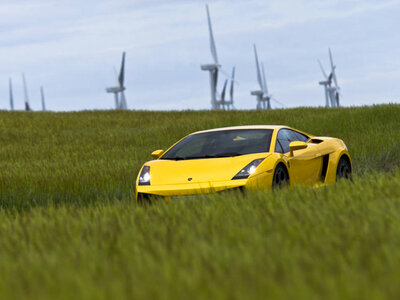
{"x":338,"y":242}
{"x":70,"y":227}
{"x":77,"y":157}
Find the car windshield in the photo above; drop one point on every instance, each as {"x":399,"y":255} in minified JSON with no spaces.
{"x":224,"y":143}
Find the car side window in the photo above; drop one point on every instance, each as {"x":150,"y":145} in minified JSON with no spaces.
{"x":285,"y":137}
{"x":278,"y":147}
{"x":301,"y":137}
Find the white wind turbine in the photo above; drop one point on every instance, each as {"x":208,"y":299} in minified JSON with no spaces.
{"x":120,"y":102}
{"x":213,"y":70}
{"x":332,"y":92}
{"x":263,"y":97}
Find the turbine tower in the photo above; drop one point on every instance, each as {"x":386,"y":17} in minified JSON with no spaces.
{"x":262,"y":95}
{"x":332,"y":92}
{"x":120,"y":102}
{"x":42,"y":96}
{"x":11,"y":94}
{"x":27,"y":106}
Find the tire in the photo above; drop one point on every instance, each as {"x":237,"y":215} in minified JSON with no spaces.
{"x":343,"y":169}
{"x":281,"y":177}
{"x":143,"y":199}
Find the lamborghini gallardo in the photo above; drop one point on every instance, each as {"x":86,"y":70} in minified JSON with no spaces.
{"x":242,"y":157}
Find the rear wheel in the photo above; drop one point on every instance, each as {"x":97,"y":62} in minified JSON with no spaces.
{"x":343,"y":169}
{"x":281,"y":177}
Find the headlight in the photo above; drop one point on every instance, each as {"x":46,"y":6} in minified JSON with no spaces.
{"x":144,"y":178}
{"x":248,"y":170}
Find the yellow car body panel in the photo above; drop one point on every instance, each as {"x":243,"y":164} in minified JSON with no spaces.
{"x":315,"y":165}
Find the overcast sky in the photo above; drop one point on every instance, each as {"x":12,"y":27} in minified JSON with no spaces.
{"x":71,"y":47}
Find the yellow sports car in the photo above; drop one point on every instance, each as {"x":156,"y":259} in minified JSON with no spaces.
{"x":245,"y":157}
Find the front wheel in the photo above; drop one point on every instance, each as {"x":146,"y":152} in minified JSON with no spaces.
{"x":281,"y":177}
{"x":343,"y":169}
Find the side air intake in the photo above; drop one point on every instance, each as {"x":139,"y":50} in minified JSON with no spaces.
{"x":325,"y":161}
{"x":316,"y":141}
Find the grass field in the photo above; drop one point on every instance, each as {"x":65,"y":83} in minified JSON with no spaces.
{"x":70,"y":228}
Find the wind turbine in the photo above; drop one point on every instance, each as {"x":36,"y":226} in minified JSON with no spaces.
{"x":263,"y":97}
{"x":332,"y":93}
{"x":42,"y":96}
{"x":27,"y":106}
{"x":120,"y":103}
{"x":11,"y":94}
{"x":214,"y":69}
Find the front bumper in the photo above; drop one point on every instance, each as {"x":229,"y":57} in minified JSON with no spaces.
{"x":260,"y":181}
{"x":189,"y":188}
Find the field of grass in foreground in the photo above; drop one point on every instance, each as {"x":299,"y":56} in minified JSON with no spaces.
{"x":69,"y":226}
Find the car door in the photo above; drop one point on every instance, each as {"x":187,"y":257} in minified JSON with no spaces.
{"x":305,"y":165}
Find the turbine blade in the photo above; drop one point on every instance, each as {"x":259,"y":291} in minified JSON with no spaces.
{"x":281,"y":104}
{"x":11,"y":94}
{"x":335,"y":79}
{"x":212,"y":41}
{"x":116,"y":74}
{"x":224,"y":91}
{"x":227,"y":75}
{"x":265,"y":91}
{"x":330,"y":78}
{"x":330,"y":58}
{"x":333,"y":69}
{"x":322,"y":69}
{"x":121,"y":77}
{"x":232,"y":85}
{"x":258,"y":68}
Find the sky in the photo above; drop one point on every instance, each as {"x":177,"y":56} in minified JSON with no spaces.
{"x":71,"y":47}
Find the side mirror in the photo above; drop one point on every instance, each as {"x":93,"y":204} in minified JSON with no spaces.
{"x":293,"y":146}
{"x":156,"y":154}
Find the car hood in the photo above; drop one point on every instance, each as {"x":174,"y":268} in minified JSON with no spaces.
{"x":165,"y":172}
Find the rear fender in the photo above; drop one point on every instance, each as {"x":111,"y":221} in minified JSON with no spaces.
{"x":333,"y":164}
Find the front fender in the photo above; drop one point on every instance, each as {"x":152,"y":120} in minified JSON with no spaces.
{"x":262,"y":179}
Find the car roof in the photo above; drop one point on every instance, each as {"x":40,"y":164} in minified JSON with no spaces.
{"x":244,"y":127}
